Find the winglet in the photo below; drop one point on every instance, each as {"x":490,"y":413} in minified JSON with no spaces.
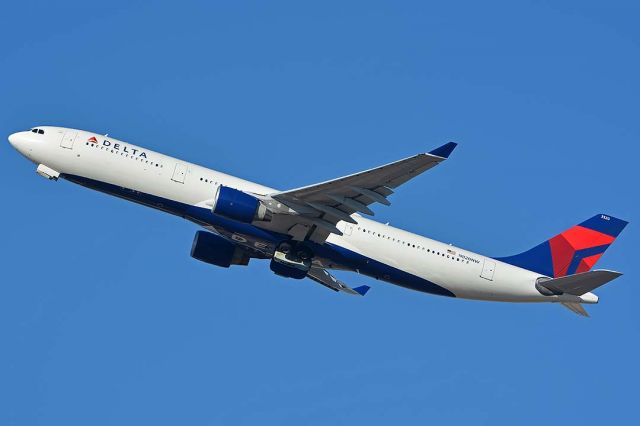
{"x":362,"y":290}
{"x":445,"y":150}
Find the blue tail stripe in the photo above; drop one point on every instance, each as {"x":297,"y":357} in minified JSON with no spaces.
{"x":606,"y":224}
{"x":538,"y":259}
{"x":581,"y":254}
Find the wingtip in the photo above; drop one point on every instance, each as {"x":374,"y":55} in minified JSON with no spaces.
{"x":362,"y":290}
{"x":445,"y":150}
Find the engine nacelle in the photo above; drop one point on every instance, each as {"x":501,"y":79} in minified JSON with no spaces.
{"x":215,"y":250}
{"x":237,"y":205}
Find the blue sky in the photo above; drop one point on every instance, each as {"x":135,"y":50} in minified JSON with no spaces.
{"x":106,"y":320}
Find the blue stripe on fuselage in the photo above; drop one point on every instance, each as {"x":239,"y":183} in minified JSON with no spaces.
{"x":203,"y":217}
{"x":378,"y":270}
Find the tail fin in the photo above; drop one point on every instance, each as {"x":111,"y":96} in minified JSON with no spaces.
{"x":573,"y":251}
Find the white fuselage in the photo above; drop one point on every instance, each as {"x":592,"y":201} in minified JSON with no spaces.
{"x":100,"y":159}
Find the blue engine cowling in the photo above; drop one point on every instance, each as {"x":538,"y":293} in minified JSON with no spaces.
{"x":238,"y":205}
{"x":215,"y":250}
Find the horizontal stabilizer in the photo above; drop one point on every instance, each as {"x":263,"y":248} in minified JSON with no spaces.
{"x":576,"y":308}
{"x":579,"y":284}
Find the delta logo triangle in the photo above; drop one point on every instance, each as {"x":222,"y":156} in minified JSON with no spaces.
{"x":92,"y":139}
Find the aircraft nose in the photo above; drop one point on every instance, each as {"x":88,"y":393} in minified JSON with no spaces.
{"x":19,"y":141}
{"x":13,"y":139}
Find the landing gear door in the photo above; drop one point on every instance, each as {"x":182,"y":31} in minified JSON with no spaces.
{"x":68,"y":139}
{"x":488,"y":269}
{"x":179,"y":173}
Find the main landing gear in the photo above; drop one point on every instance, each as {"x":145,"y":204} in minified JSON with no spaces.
{"x":292,"y":259}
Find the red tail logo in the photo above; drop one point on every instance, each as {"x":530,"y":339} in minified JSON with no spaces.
{"x":573,"y":251}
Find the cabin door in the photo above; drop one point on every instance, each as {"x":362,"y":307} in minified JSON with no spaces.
{"x":488,"y":269}
{"x":179,"y":173}
{"x":67,"y":139}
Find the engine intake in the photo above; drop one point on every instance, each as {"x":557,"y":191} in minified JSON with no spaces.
{"x":237,"y":205}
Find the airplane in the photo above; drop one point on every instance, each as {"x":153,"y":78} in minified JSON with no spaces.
{"x":308,"y":231}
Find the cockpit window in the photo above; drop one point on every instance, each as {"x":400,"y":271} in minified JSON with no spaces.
{"x":38,"y":131}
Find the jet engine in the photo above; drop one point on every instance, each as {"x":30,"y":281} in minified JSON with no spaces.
{"x":237,"y":205}
{"x":215,"y":250}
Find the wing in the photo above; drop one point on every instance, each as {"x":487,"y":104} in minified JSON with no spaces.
{"x":321,"y":206}
{"x":322,"y":276}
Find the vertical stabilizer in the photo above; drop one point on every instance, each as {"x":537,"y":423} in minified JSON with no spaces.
{"x":573,"y":251}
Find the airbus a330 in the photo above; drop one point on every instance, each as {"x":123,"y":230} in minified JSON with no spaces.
{"x":308,"y":231}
